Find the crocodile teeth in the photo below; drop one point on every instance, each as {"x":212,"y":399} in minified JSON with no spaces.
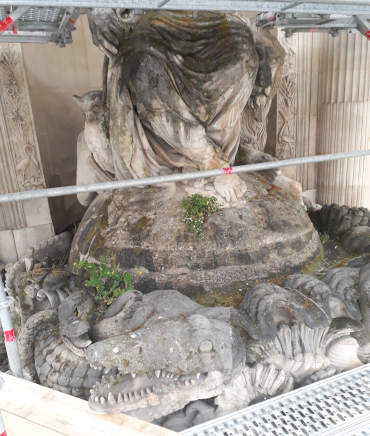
{"x":120,"y":399}
{"x":192,"y":381}
{"x":137,"y":395}
{"x":158,"y":373}
{"x":111,"y":398}
{"x":198,"y":375}
{"x":102,"y":400}
{"x":96,"y":399}
{"x":106,"y":370}
{"x":187,"y":382}
{"x":149,"y":390}
{"x":133,"y":375}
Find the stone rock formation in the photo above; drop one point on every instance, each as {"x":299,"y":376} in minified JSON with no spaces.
{"x":350,"y":225}
{"x":159,"y":356}
{"x":264,"y":233}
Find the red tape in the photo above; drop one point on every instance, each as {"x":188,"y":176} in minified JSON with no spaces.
{"x":228,"y":170}
{"x":9,"y":336}
{"x":367,"y":34}
{"x":71,"y":20}
{"x":4,"y":25}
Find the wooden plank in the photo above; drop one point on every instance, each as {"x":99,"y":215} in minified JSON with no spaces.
{"x":16,"y":426}
{"x":30,"y":409}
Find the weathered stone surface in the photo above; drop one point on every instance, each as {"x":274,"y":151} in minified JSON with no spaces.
{"x":350,"y":225}
{"x":150,"y":355}
{"x":20,"y":163}
{"x":144,"y":229}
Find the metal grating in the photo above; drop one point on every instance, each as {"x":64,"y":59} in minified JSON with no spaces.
{"x":337,"y":406}
{"x":36,"y":15}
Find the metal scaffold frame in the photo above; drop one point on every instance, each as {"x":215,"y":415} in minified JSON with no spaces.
{"x":355,"y":7}
{"x":46,"y":21}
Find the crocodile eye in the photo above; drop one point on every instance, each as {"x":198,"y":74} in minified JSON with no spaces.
{"x":205,"y":346}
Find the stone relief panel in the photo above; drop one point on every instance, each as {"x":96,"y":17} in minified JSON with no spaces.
{"x":22,"y":224}
{"x":20,"y":160}
{"x":18,"y":119}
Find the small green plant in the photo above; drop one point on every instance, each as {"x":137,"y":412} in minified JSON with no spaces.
{"x":108,"y":282}
{"x":324,"y":237}
{"x":197,"y":208}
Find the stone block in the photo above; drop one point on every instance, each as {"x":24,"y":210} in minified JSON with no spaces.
{"x":310,"y":195}
{"x":37,"y":212}
{"x":8,"y":251}
{"x":31,"y":236}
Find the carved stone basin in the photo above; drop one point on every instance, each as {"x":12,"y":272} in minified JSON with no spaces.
{"x":266,"y":233}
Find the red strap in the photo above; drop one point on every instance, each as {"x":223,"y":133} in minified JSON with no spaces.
{"x":228,"y":170}
{"x":14,"y":30}
{"x":9,"y":336}
{"x":71,"y":20}
{"x":4,"y":25}
{"x":367,"y":34}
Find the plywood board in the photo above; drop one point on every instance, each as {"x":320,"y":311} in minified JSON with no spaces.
{"x":30,"y":409}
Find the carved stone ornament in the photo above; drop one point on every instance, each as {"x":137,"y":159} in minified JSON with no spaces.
{"x":17,"y":119}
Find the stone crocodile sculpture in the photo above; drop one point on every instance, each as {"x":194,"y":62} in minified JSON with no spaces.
{"x":351,"y":225}
{"x":155,"y":354}
{"x":165,"y":351}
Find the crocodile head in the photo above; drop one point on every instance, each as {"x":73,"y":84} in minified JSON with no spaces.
{"x":159,"y":368}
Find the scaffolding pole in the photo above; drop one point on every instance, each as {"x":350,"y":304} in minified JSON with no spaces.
{"x":131,"y":183}
{"x":353,"y":7}
{"x":10,"y":340}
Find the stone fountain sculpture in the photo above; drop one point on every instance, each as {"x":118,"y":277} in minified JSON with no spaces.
{"x":164,"y":358}
{"x":185,"y":92}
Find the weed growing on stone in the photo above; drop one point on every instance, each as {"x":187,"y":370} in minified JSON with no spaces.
{"x":197,"y":208}
{"x":108,"y":282}
{"x":324,"y":237}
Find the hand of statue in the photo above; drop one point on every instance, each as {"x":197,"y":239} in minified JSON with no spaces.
{"x":230,"y":187}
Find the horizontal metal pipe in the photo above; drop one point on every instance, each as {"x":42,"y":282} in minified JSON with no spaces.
{"x":311,"y":6}
{"x":123,"y":184}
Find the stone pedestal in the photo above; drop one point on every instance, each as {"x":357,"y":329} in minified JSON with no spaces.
{"x":266,"y":233}
{"x":22,"y":224}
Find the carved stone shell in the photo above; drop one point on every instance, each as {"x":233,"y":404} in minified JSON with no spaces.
{"x":343,"y":354}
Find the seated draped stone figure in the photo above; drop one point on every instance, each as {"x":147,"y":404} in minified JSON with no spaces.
{"x":183,"y":93}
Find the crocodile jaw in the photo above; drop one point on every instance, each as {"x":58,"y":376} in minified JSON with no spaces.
{"x":127,"y":392}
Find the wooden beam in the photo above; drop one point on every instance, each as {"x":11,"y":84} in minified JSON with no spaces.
{"x":33,"y":410}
